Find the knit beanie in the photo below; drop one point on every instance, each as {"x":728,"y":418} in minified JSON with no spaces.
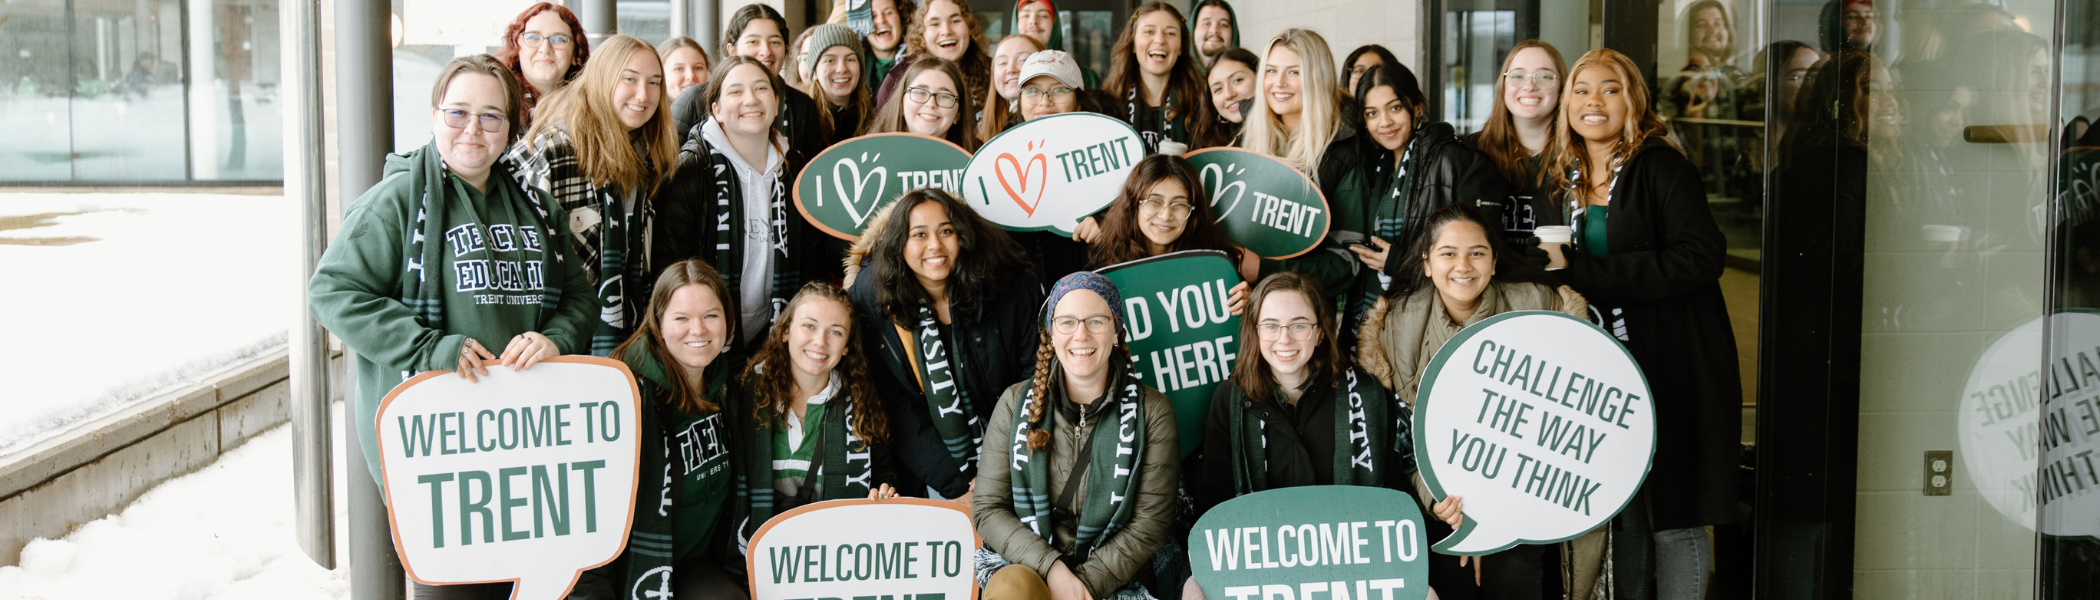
{"x":823,"y":37}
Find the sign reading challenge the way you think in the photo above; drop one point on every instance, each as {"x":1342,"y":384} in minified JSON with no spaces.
{"x":1312,"y":543}
{"x":524,"y":476}
{"x":1541,"y":421}
{"x":1266,"y":205}
{"x":1048,"y":173}
{"x":844,"y":185}
{"x":2022,"y":409}
{"x":1180,"y":334}
{"x":900,"y":548}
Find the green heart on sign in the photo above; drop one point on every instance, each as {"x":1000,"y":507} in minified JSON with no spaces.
{"x":1268,"y":206}
{"x":1182,"y":339}
{"x":845,"y":184}
{"x":1335,"y":540}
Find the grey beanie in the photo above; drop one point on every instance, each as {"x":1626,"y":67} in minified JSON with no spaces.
{"x":823,"y":37}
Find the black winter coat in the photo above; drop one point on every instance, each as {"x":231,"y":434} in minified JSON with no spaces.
{"x":687,"y":216}
{"x":1447,"y":171}
{"x":1664,"y":272}
{"x":994,"y":348}
{"x":801,"y":126}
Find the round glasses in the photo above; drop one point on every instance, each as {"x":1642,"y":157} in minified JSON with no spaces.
{"x":1177,"y":211}
{"x":1094,"y":325}
{"x":1035,"y":95}
{"x":941,"y":99}
{"x":457,"y":119}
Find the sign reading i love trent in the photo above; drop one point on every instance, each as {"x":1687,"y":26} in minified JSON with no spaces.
{"x":1049,"y":173}
{"x":845,"y":184}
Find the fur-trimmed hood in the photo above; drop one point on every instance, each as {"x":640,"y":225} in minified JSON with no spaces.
{"x":856,"y":255}
{"x":1399,"y":335}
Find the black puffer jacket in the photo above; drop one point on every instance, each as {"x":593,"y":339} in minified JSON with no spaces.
{"x":800,"y":122}
{"x":1445,"y":170}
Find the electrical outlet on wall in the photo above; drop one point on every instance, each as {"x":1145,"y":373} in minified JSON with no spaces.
{"x":1939,"y":472}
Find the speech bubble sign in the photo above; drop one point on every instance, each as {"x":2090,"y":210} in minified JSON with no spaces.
{"x":898,"y":547}
{"x":1541,"y":421}
{"x":526,"y":477}
{"x":2007,"y":428}
{"x":1180,"y":334}
{"x":1048,"y":173}
{"x":1268,"y":206}
{"x":1340,"y":540}
{"x":845,"y":184}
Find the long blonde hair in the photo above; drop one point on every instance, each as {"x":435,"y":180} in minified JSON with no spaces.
{"x":1320,"y":94}
{"x":611,"y":156}
{"x":1566,"y":149}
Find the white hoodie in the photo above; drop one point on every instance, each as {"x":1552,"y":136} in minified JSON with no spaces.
{"x":760,"y":243}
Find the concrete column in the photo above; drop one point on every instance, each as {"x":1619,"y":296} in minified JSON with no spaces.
{"x":707,"y":24}
{"x":364,"y":135}
{"x":681,"y":18}
{"x":600,"y":18}
{"x":313,"y":487}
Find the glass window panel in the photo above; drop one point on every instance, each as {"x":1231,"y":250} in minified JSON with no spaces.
{"x":128,"y":105}
{"x":649,"y":20}
{"x":235,"y":118}
{"x":35,"y":114}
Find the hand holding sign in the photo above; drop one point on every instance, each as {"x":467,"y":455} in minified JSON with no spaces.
{"x":846,"y":183}
{"x":901,"y":548}
{"x":524,"y":476}
{"x":1289,"y":544}
{"x":1182,"y":334}
{"x":1268,"y":206}
{"x":1048,"y":173}
{"x":1541,"y":420}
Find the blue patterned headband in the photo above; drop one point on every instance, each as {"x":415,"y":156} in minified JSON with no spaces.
{"x":1085,"y":280}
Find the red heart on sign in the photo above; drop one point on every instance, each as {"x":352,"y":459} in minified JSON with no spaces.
{"x":1021,"y":174}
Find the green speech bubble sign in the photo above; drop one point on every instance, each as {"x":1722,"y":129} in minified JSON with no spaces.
{"x":1337,"y":540}
{"x":1183,"y":340}
{"x":845,"y":184}
{"x":1542,"y":421}
{"x":1268,"y":206}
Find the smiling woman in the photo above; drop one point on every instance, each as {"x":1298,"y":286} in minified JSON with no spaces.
{"x":601,"y":147}
{"x":933,"y":104}
{"x":545,"y":48}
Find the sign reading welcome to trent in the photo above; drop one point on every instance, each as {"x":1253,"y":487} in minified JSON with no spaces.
{"x":1541,"y":421}
{"x":524,"y":476}
{"x":845,"y":184}
{"x":1051,"y":172}
{"x":897,"y":548}
{"x":1268,"y":206}
{"x":1183,"y":340}
{"x":1336,"y":541}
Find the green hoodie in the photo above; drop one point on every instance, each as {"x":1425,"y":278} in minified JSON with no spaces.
{"x":506,"y":272}
{"x":1196,"y":13}
{"x":1057,"y":24}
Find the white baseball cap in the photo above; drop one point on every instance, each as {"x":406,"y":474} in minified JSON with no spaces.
{"x":1055,"y":64}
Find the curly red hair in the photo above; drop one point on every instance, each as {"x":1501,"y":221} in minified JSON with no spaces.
{"x":509,"y":54}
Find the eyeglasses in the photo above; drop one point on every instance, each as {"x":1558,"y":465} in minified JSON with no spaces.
{"x":457,"y":119}
{"x":1299,"y":331}
{"x":1094,"y":325}
{"x":1538,"y":79}
{"x":533,"y":39}
{"x":1178,"y":210}
{"x":1034,"y":95}
{"x":942,"y":99}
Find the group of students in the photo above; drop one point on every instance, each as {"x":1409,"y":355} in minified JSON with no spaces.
{"x":570,"y":203}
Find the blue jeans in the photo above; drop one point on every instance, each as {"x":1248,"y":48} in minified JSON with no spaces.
{"x":1681,"y":558}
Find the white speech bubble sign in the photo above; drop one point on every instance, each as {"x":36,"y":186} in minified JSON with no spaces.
{"x":547,"y":460}
{"x":898,"y":547}
{"x":1541,"y":421}
{"x":2031,"y":435}
{"x":1050,"y":172}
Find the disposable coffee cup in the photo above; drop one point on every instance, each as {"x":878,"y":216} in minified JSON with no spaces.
{"x":1555,"y":234}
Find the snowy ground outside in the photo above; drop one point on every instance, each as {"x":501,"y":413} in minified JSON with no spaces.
{"x":222,"y":533}
{"x":113,"y":297}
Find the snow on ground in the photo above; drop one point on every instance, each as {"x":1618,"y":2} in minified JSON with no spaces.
{"x":222,"y":533}
{"x":172,"y":287}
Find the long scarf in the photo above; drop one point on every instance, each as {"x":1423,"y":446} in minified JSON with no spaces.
{"x":954,"y":416}
{"x":1155,"y":127}
{"x":1360,"y":427}
{"x":616,"y":238}
{"x":651,"y":547}
{"x":1611,"y":318}
{"x":1117,"y":450}
{"x":551,"y":162}
{"x":842,"y":469}
{"x":425,"y":248}
{"x":729,"y":228}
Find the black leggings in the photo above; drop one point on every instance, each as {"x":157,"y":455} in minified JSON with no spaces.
{"x":695,"y":579}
